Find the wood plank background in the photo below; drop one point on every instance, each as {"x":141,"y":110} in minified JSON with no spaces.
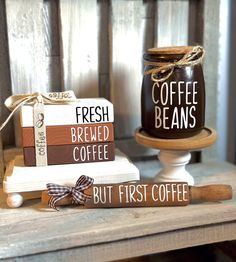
{"x":95,"y":47}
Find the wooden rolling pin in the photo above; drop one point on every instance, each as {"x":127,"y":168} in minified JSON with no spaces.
{"x":148,"y":195}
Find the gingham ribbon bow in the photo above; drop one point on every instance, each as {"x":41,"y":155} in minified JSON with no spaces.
{"x":58,"y":192}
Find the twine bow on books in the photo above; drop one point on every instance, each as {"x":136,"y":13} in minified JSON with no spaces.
{"x":162,"y":71}
{"x":58,"y":192}
{"x":15,"y":102}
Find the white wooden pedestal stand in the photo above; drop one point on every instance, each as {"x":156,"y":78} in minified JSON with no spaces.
{"x":175,"y":154}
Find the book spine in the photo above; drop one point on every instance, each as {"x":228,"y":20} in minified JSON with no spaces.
{"x":68,"y":135}
{"x":71,"y":114}
{"x":73,"y":154}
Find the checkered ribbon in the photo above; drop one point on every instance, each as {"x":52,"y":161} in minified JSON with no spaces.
{"x":58,"y":192}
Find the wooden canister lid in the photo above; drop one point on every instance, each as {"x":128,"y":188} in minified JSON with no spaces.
{"x":171,"y":50}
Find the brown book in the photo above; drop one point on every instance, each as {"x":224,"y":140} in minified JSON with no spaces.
{"x":72,"y":134}
{"x":73,"y":154}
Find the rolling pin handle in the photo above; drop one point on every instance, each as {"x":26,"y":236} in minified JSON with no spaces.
{"x":211,"y":193}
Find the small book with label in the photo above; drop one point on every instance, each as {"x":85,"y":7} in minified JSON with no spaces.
{"x":71,"y":134}
{"x":84,"y":111}
{"x":73,"y":154}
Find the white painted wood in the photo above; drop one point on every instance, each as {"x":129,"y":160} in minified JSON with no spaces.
{"x":79,"y":46}
{"x":26,"y":45}
{"x":68,"y":114}
{"x":174,"y":163}
{"x":210,"y":67}
{"x":223,"y":82}
{"x":5,"y":81}
{"x":124,"y":232}
{"x":26,"y":49}
{"x":19,"y":178}
{"x":172,"y":23}
{"x":126,"y":64}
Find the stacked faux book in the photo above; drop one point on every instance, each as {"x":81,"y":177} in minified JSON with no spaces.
{"x":79,"y":132}
{"x":79,"y":141}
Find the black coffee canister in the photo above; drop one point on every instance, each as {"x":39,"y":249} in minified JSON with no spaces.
{"x":173,"y":92}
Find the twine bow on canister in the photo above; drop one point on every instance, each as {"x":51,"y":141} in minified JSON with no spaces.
{"x":162,"y":71}
{"x":58,"y":192}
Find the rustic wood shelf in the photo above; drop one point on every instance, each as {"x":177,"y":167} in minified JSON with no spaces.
{"x":109,"y":234}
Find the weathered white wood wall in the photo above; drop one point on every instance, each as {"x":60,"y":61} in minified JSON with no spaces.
{"x":79,"y":46}
{"x":96,"y":47}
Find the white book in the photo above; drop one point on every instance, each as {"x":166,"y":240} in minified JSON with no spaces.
{"x":19,"y":178}
{"x":85,"y":111}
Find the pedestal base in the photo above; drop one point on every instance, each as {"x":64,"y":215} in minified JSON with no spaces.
{"x":174,"y":167}
{"x":175,"y":153}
